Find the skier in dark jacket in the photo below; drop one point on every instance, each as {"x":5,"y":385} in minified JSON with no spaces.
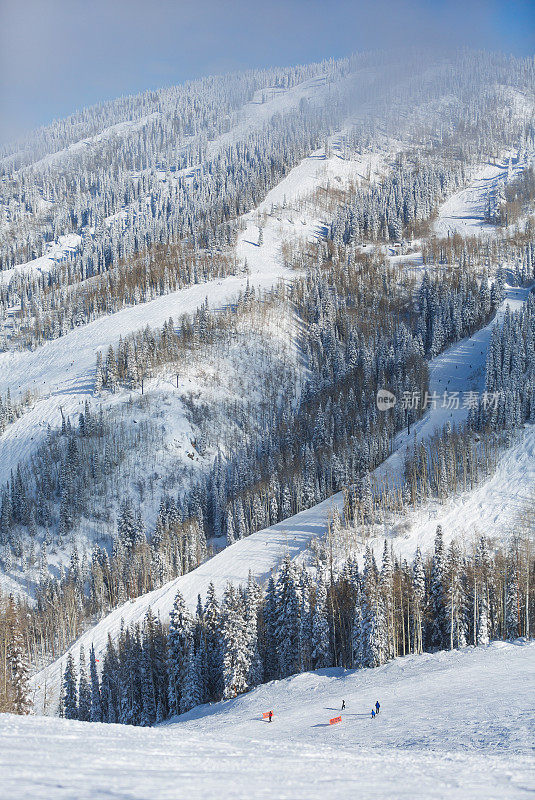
{"x":377,"y":706}
{"x":343,"y":704}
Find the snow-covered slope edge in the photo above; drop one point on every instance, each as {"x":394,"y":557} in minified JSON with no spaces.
{"x":449,"y":727}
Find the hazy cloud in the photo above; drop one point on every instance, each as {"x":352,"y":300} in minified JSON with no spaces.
{"x":60,"y":55}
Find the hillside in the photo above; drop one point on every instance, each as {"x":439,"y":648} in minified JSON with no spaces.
{"x":491,"y":508}
{"x":452,"y":725}
{"x":202,"y":292}
{"x":62,"y":384}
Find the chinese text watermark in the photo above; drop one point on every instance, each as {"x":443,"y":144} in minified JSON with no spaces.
{"x":412,"y":401}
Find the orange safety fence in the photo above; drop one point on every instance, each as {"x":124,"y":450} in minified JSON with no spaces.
{"x":334,"y":720}
{"x":266,"y":714}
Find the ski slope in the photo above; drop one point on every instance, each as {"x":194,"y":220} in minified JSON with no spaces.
{"x":464,"y":212}
{"x":491,"y":509}
{"x":460,"y":369}
{"x":457,"y":724}
{"x":55,"y":252}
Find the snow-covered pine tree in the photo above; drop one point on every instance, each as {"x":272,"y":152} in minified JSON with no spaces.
{"x":84,"y":689}
{"x":17,"y":664}
{"x":96,"y":705}
{"x":287,"y":619}
{"x":191,"y":691}
{"x":437,"y":634}
{"x":109,"y":687}
{"x":418,"y":604}
{"x":148,"y":690}
{"x":455,"y":620}
{"x":386,"y":588}
{"x":253,"y":600}
{"x":512,"y":600}
{"x":235,"y":645}
{"x":214,"y":657}
{"x":481,"y":593}
{"x":269,"y":632}
{"x":99,"y":374}
{"x":320,"y":644}
{"x":179,"y":642}
{"x":357,"y":631}
{"x":70,"y":693}
{"x":374,"y":634}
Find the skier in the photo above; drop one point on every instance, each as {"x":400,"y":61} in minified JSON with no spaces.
{"x":373,"y":713}
{"x":270,"y":715}
{"x":343,"y":704}
{"x":377,"y":706}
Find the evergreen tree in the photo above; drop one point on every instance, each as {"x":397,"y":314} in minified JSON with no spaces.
{"x":17,"y":664}
{"x":191,"y":691}
{"x":214,"y":658}
{"x":84,"y":690}
{"x":320,"y":644}
{"x":287,"y":620}
{"x":96,"y":706}
{"x":180,"y":640}
{"x":269,"y":647}
{"x":438,"y":625}
{"x":235,"y":645}
{"x":70,"y":694}
{"x":418,"y":592}
{"x":374,"y":636}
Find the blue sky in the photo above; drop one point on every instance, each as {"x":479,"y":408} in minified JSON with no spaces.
{"x":59,"y":55}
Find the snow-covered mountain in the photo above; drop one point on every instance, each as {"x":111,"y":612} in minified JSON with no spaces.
{"x":58,"y":375}
{"x":203,"y":289}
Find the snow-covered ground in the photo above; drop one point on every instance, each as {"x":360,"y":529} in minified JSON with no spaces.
{"x":450,"y":727}
{"x":55,"y":252}
{"x":464,"y":212}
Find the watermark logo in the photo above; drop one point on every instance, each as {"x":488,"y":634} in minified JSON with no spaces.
{"x":453,"y":401}
{"x":385,"y":400}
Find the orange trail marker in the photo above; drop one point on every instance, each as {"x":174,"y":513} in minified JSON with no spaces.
{"x":266,"y":714}
{"x":334,"y":720}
